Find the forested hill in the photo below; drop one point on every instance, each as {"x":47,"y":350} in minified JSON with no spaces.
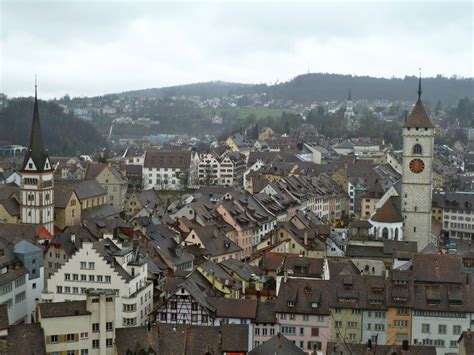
{"x":205,"y":90}
{"x":62,"y":133}
{"x":310,"y":87}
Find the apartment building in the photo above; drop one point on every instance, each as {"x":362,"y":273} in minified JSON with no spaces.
{"x":84,"y":327}
{"x":111,"y":265}
{"x":457,"y":211}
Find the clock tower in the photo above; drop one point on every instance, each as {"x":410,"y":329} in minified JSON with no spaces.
{"x":418,"y":142}
{"x":37,"y":180}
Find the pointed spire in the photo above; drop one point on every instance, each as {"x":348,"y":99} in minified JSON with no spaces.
{"x":349,"y":98}
{"x":418,"y":117}
{"x":419,"y":86}
{"x":36,"y":151}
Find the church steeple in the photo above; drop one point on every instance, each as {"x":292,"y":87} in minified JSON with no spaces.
{"x":419,"y":88}
{"x":349,"y":97}
{"x":36,"y":158}
{"x":418,"y":117}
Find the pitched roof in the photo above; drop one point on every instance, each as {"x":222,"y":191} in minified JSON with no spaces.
{"x":388,"y":213}
{"x":234,"y":308}
{"x":266,"y":312}
{"x":278,"y":345}
{"x":168,"y":159}
{"x":442,"y":268}
{"x":24,"y":339}
{"x":183,"y":339}
{"x":36,"y":150}
{"x":63,"y":309}
{"x":418,"y":117}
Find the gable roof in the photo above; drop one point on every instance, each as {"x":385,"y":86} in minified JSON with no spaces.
{"x":388,"y":213}
{"x":278,"y":345}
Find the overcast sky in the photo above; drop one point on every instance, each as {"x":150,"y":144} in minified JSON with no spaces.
{"x":97,"y":47}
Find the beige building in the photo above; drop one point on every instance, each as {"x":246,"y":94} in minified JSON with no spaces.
{"x":80,"y":327}
{"x":114,"y":183}
{"x":67,"y":208}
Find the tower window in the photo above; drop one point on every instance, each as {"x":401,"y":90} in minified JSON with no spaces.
{"x":417,"y":149}
{"x":414,"y":229}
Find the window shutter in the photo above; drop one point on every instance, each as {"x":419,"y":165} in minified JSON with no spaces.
{"x":314,"y":332}
{"x":61,"y":338}
{"x":48,"y":339}
{"x":76,"y":337}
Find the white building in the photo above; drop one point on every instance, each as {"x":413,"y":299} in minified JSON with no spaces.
{"x":170,"y":170}
{"x":226,"y":171}
{"x":109,"y":265}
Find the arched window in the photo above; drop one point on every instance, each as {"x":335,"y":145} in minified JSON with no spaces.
{"x":396,"y":233}
{"x":385,"y":233}
{"x":417,"y":149}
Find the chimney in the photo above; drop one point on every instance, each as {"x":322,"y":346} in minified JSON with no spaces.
{"x":285,"y":276}
{"x":73,"y":238}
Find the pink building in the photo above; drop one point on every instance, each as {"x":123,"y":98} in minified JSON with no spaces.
{"x":302,"y":311}
{"x":243,"y":225}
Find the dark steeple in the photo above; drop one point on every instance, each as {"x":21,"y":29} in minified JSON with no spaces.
{"x":419,"y":88}
{"x":349,"y":98}
{"x":418,"y":117}
{"x":36,"y":149}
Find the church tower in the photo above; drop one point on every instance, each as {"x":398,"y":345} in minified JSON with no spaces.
{"x":418,"y":142}
{"x":36,"y":191}
{"x":349,"y":113}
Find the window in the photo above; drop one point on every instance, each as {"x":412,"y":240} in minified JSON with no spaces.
{"x":425,"y":328}
{"x":204,"y":318}
{"x":99,"y":278}
{"x":108,"y":279}
{"x":194,"y":318}
{"x":67,"y":277}
{"x":194,"y":306}
{"x":338,"y":324}
{"x":95,"y":343}
{"x":53,"y":339}
{"x":83,"y":265}
{"x":91,"y":265}
{"x":83,"y":277}
{"x":302,"y":331}
{"x":352,"y":337}
{"x":453,"y":344}
{"x":95,"y":327}
{"x":108,"y":326}
{"x":20,"y":297}
{"x":91,"y":278}
{"x":442,"y":329}
{"x":173,"y":317}
{"x":352,"y":324}
{"x":417,"y":149}
{"x":264,"y":332}
{"x":70,"y":337}
{"x":305,"y":317}
{"x":67,"y":289}
{"x":84,"y":335}
{"x":402,"y":311}
{"x":20,"y":281}
{"x":59,"y":289}
{"x":292,"y":317}
{"x":84,"y":351}
{"x":456,"y":330}
{"x":108,"y":342}
{"x":320,"y":318}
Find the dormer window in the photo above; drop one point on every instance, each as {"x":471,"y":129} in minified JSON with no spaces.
{"x":307,"y":290}
{"x":314,"y":304}
{"x":30,"y":165}
{"x":291,"y":303}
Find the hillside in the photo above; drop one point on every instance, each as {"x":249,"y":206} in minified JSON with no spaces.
{"x":308,"y":88}
{"x":62,"y":133}
{"x":321,"y":87}
{"x":205,"y":90}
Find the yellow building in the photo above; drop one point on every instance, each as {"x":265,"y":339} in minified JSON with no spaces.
{"x":265,"y":133}
{"x":399,"y":306}
{"x":398,"y":325}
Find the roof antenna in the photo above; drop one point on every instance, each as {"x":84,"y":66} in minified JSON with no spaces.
{"x":419,"y":85}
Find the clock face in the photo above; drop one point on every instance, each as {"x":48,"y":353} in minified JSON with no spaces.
{"x":417,"y":166}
